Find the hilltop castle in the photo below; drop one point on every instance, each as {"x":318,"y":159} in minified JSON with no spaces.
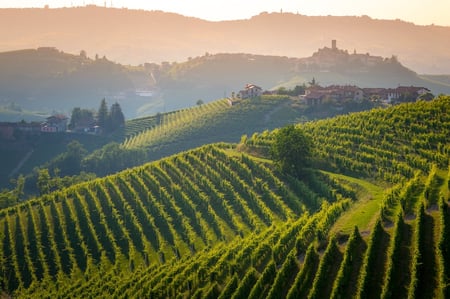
{"x":327,"y":58}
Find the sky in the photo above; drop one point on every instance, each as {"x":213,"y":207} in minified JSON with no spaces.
{"x":420,"y":12}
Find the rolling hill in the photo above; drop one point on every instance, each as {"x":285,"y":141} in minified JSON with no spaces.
{"x":210,"y":76}
{"x":136,"y":37}
{"x":164,"y":134}
{"x":48,"y":80}
{"x":370,"y":219}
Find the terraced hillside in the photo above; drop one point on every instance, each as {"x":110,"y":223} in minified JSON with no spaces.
{"x":294,"y":259}
{"x":147,"y":216}
{"x":170,"y":133}
{"x":370,"y":220}
{"x":172,"y":123}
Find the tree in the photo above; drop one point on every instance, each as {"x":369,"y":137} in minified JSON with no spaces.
{"x":7,"y":198}
{"x":69,"y":162}
{"x":298,"y":90}
{"x":282,"y":91}
{"x":102,"y":115}
{"x":117,"y":119}
{"x":11,"y":197}
{"x":81,"y":118}
{"x":76,"y":112}
{"x":428,"y":96}
{"x":73,"y":156}
{"x":199,"y":102}
{"x":313,"y":82}
{"x":43,"y":181}
{"x":291,"y":150}
{"x":18,"y":191}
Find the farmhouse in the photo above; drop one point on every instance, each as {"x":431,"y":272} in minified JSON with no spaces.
{"x":55,"y":124}
{"x":250,"y":91}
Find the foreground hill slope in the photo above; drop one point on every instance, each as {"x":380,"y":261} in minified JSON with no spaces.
{"x":147,"y":216}
{"x":213,"y":222}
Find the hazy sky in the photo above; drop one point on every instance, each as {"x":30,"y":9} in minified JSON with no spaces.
{"x":422,"y":12}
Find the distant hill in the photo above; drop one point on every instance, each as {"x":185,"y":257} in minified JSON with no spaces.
{"x":214,"y":75}
{"x":48,"y":80}
{"x":136,"y":36}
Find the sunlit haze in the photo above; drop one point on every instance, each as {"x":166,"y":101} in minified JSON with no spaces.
{"x":417,"y":11}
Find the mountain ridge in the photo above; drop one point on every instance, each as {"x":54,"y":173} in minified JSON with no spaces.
{"x":129,"y":36}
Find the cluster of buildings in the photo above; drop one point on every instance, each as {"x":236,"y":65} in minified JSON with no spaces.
{"x":315,"y":95}
{"x":328,"y":58}
{"x":53,"y":124}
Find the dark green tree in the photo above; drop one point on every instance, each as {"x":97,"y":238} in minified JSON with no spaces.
{"x":282,"y":91}
{"x":73,"y":156}
{"x":7,"y":198}
{"x":18,"y":191}
{"x":76,"y":112}
{"x":81,"y":118}
{"x":11,"y":197}
{"x":298,"y":90}
{"x":117,"y":119}
{"x":69,"y":162}
{"x":291,"y":150}
{"x":43,"y":181}
{"x":103,"y":115}
{"x":426,"y":96}
{"x":313,"y":82}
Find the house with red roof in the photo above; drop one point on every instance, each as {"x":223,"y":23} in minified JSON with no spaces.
{"x":250,"y":91}
{"x":55,"y":124}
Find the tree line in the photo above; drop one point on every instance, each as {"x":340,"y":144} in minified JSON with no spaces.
{"x":104,"y":121}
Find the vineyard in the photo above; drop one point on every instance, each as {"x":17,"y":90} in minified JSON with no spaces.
{"x":135,"y":126}
{"x":146,"y":216}
{"x":219,"y":222}
{"x":170,"y":124}
{"x":217,"y":121}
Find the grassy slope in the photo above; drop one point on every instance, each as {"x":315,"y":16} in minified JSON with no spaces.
{"x":364,"y":212}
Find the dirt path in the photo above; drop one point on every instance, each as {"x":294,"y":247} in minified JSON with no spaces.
{"x":24,"y":159}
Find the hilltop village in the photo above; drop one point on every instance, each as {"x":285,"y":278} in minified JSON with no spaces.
{"x":316,"y":95}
